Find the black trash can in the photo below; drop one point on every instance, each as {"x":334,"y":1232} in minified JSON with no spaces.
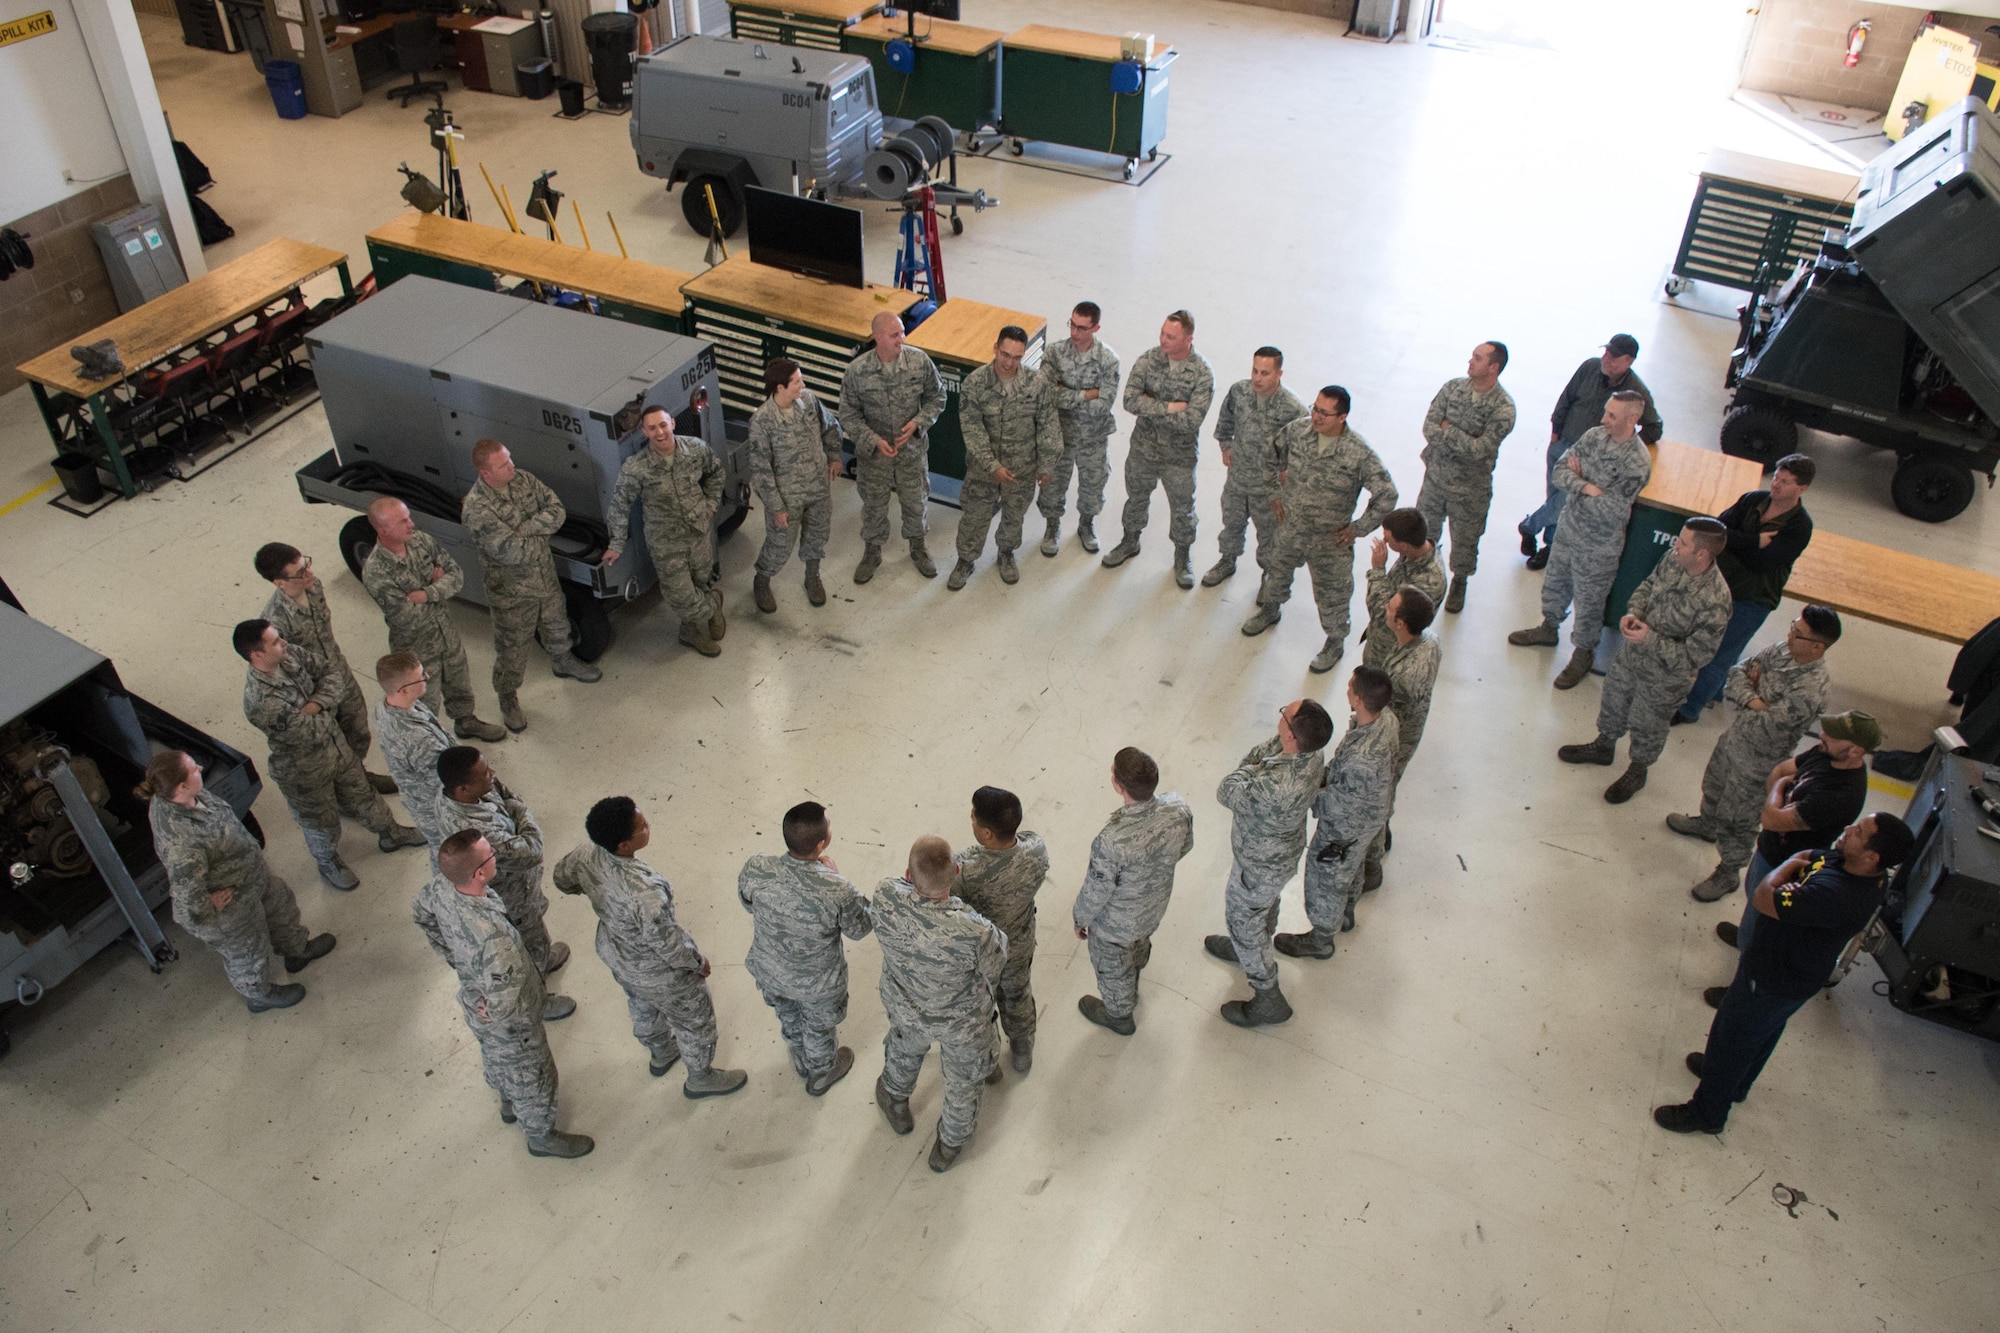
{"x":571,"y":93}
{"x":610,"y":38}
{"x":536,"y":79}
{"x":78,"y":474}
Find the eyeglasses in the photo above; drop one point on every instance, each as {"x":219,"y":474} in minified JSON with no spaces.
{"x":305,"y":568}
{"x":1799,"y":631}
{"x":1076,"y":326}
{"x":1319,"y":411}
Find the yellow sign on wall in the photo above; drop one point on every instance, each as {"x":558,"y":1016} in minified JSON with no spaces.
{"x":1939,"y":72}
{"x":20,"y":30}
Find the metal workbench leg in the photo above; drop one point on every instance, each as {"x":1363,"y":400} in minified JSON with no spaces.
{"x":346,"y":282}
{"x":48,"y":415}
{"x":147,"y":936}
{"x":100,"y":415}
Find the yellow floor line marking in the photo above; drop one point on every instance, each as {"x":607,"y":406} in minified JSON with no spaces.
{"x":1902,"y":791}
{"x":35,"y":494}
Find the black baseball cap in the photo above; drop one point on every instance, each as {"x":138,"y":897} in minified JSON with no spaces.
{"x":1622,"y":344}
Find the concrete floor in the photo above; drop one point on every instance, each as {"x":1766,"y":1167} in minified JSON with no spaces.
{"x":1452,"y":1133}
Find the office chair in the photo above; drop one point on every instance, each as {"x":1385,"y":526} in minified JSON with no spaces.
{"x":418,"y":52}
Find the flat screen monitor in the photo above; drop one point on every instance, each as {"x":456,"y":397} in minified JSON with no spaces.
{"x":804,"y":235}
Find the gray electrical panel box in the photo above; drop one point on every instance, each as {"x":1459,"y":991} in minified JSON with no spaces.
{"x":138,"y":255}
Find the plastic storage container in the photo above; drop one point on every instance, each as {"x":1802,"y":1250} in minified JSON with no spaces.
{"x":571,"y":93}
{"x":610,"y":38}
{"x":536,"y":78}
{"x":78,"y":474}
{"x":287,"y":83}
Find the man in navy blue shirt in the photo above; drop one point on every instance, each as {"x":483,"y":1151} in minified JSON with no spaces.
{"x":1811,"y":906}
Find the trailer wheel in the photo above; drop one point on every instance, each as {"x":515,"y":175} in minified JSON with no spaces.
{"x":589,"y":622}
{"x":732,"y":521}
{"x":1762,"y":434}
{"x":728,"y":204}
{"x":1931,"y":488}
{"x":357,"y":539}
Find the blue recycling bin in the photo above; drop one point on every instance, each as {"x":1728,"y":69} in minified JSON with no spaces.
{"x":287,"y":83}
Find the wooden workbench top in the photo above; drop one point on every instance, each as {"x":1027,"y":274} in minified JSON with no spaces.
{"x":958,"y":39}
{"x":1784,"y":177}
{"x":189,"y":312}
{"x":1070,"y":42}
{"x":1690,"y":480}
{"x":593,"y":272}
{"x":798,"y":299}
{"x":1926,"y":597}
{"x":844,"y":11}
{"x":965,"y":331}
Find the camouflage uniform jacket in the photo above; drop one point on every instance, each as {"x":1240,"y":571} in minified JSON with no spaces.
{"x":1465,"y":451}
{"x":513,"y":526}
{"x":1621,"y":471}
{"x":790,"y":448}
{"x":1012,"y":428}
{"x":1686,"y":614}
{"x":273,"y":702}
{"x":307,"y":625}
{"x":941,"y":963}
{"x":1131,"y":877}
{"x":1247,"y":426}
{"x":1793,"y":694}
{"x":1324,"y":478}
{"x":875,"y":400}
{"x":414,"y":627}
{"x":411,"y":741}
{"x":1269,"y":793}
{"x":513,"y":835}
{"x":1413,"y":671}
{"x":1000,"y":884}
{"x":1359,"y":781}
{"x":1422,"y":572}
{"x":637,"y":933}
{"x":1156,"y":381}
{"x":1072,"y":372}
{"x":679,"y":495}
{"x":800,"y":909}
{"x":498,"y":984}
{"x":204,"y":850}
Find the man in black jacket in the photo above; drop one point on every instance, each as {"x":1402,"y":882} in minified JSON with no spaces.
{"x":1767,"y":532}
{"x":1580,"y":407}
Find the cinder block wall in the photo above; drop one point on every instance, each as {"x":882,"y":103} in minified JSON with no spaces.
{"x":67,"y":292}
{"x":1798,"y":48}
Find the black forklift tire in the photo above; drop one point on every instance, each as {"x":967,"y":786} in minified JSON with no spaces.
{"x":732,"y":521}
{"x":1931,"y":488}
{"x":589,"y":622}
{"x":1759,"y":433}
{"x":728,"y":204}
{"x":357,"y":539}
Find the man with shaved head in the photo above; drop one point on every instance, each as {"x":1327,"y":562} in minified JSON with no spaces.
{"x":412,"y":578}
{"x":890,"y":397}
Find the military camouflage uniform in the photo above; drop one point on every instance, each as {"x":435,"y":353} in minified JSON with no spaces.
{"x":1420,"y":571}
{"x":1647,"y":681}
{"x":1351,"y":810}
{"x":1590,"y":534}
{"x":321,"y":778}
{"x":649,"y":952}
{"x":1324,"y":479}
{"x":1458,"y":465}
{"x":876,"y":401}
{"x":1165,"y":445}
{"x":411,"y":741}
{"x":800,"y":909}
{"x":1269,"y":793}
{"x":1005,"y":425}
{"x":207,"y":849}
{"x":423,"y":628}
{"x":500,"y":992}
{"x":516,"y":840}
{"x":1246,"y":426}
{"x":1000,"y":884}
{"x":307,"y":626}
{"x":791,"y":449}
{"x":513,"y":526}
{"x":941,"y":964}
{"x":1087,"y":424}
{"x":1126,"y":890}
{"x":1734,"y":784}
{"x":1413,"y":671}
{"x":678,"y":497}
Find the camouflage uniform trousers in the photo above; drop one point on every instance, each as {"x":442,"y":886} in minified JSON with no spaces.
{"x":444,"y":662}
{"x":1640,"y":695}
{"x":1118,"y":967}
{"x":908,"y":475}
{"x":322,"y":787}
{"x":965,"y":1057}
{"x":1463,"y":502}
{"x":977,"y":501}
{"x":1090,"y":457}
{"x":515,"y":1057}
{"x":527,"y":918}
{"x":246,"y":932}
{"x":517,"y":622}
{"x":809,"y":524}
{"x":811,"y":1030}
{"x":686,"y":569}
{"x":1244,"y":505}
{"x":351,"y":716}
{"x":1332,"y":886}
{"x":1380,"y":846}
{"x":1332,"y":569}
{"x":1732,"y":801}
{"x":1171,"y":468}
{"x":672,"y":1012}
{"x":1581,"y":579}
{"x":1016,"y":993}
{"x":1250,"y":910}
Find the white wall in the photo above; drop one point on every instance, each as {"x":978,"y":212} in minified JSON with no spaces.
{"x":53,"y":115}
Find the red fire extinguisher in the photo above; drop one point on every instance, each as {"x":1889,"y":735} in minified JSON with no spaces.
{"x":1857,"y":37}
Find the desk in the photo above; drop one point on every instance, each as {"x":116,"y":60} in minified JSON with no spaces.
{"x":1935,"y":600}
{"x":957,"y":74}
{"x":472,"y":254}
{"x":164,"y":325}
{"x":813,"y":23}
{"x":959,"y":337}
{"x":1753,"y":219}
{"x":1058,"y":90}
{"x":753,"y":313}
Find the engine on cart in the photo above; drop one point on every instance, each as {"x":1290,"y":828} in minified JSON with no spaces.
{"x":36,"y":836}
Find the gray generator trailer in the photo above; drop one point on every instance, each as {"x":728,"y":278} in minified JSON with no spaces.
{"x":415,"y":376}
{"x":1891,"y":335}
{"x":717,"y":114}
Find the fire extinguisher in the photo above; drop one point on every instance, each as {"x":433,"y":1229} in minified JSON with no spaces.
{"x":1857,"y":37}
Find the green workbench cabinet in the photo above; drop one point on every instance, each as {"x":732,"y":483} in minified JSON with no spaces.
{"x":961,"y":90}
{"x":1065,"y":99}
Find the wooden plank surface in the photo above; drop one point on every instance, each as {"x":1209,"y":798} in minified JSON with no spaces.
{"x":189,"y":312}
{"x":1926,"y":597}
{"x":1071,"y":42}
{"x":1784,"y":177}
{"x":965,"y":331}
{"x":959,"y":39}
{"x":593,"y":272}
{"x":844,"y":11}
{"x":1691,"y":480}
{"x":797,"y":299}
